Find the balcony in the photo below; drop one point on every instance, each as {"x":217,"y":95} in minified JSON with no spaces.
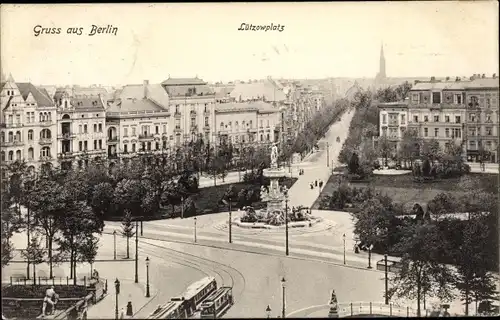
{"x":66,"y":136}
{"x":12,"y":125}
{"x":13,"y":143}
{"x":45,"y":141}
{"x":65,"y":155}
{"x":45,"y":158}
{"x":393,"y":123}
{"x":113,"y":140}
{"x":45,"y":123}
{"x":147,"y":136}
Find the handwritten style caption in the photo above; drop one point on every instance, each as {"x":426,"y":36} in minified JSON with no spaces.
{"x":265,"y":28}
{"x":94,"y":30}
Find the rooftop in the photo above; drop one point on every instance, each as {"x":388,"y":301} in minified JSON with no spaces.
{"x":194,"y":288}
{"x":130,"y":105}
{"x":40,"y":95}
{"x":87,"y":102}
{"x":254,"y":106}
{"x":257,"y":90}
{"x":183,"y":81}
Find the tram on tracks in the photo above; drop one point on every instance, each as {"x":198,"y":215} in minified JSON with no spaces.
{"x":217,"y":304}
{"x":188,"y":303}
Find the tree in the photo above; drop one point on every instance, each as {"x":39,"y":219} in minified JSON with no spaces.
{"x":384,"y":148}
{"x":87,"y":251}
{"x":403,"y":90}
{"x":354,"y":163}
{"x":426,"y":168}
{"x":17,"y":171}
{"x":101,"y":201}
{"x":129,"y":195}
{"x":386,"y":95}
{"x":189,"y":207}
{"x":409,"y":146}
{"x":127,"y":228}
{"x":48,"y":202}
{"x":472,"y":261}
{"x":34,"y":253}
{"x":368,"y":153}
{"x":77,"y":226}
{"x":420,"y":272}
{"x":431,"y":150}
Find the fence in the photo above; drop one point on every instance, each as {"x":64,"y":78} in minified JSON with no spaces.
{"x":47,"y":281}
{"x":375,"y":308}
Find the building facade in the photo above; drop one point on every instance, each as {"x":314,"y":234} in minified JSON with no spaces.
{"x":482,"y":119}
{"x":393,"y":122}
{"x":28,"y":125}
{"x":81,"y":123}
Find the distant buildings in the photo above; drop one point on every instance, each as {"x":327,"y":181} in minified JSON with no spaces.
{"x":462,"y":112}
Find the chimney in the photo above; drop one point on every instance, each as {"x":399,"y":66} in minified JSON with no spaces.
{"x":145,"y":89}
{"x":447,"y":78}
{"x":433,"y":78}
{"x":457,"y":79}
{"x":494,"y":76}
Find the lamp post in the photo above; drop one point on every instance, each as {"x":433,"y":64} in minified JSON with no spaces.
{"x":386,"y":280}
{"x":343,"y":238}
{"x":268,"y":311}
{"x":136,"y":280}
{"x":182,"y":207}
{"x":230,"y":220}
{"x":194,"y":229}
{"x":117,"y":292}
{"x":370,"y":256}
{"x":285,"y":192}
{"x":114,"y":244}
{"x":147,"y":278}
{"x":283,"y":285}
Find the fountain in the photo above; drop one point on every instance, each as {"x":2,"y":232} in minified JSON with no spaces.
{"x":275,"y":196}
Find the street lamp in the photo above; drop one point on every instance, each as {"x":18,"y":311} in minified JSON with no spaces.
{"x":268,"y":311}
{"x":114,"y":244}
{"x":117,"y":292}
{"x":283,"y":285}
{"x":136,"y":280}
{"x":285,"y":192}
{"x":343,"y":238}
{"x":147,"y":277}
{"x":194,"y":229}
{"x":370,"y":256}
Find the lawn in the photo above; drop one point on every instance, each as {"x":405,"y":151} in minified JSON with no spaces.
{"x":402,"y":188}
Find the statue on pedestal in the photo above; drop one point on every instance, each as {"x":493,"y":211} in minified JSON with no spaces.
{"x":274,"y":156}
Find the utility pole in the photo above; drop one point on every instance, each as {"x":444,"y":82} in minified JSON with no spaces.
{"x":136,"y":280}
{"x":230,"y":220}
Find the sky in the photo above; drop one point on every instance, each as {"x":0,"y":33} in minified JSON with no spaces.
{"x":155,"y":41}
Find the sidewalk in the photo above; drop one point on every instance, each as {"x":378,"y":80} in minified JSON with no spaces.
{"x":129,"y":291}
{"x":489,"y":167}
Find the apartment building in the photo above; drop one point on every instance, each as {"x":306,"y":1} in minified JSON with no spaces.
{"x":393,"y":122}
{"x":138,"y":120}
{"x":192,"y":104}
{"x":482,"y":119}
{"x":28,"y":125}
{"x":436,"y":110}
{"x":81,"y":121}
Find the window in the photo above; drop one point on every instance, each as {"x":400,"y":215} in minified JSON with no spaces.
{"x":489,"y":131}
{"x":472,"y":117}
{"x":473,"y":101}
{"x":31,"y":154}
{"x":95,"y":144}
{"x":384,"y":119}
{"x":125,"y":132}
{"x":143,"y":146}
{"x":176,"y":108}
{"x":193,"y":122}
{"x":100,"y":127}
{"x":100,"y":144}
{"x":80,"y":129}
{"x":125,"y":148}
{"x":426,"y":118}
{"x":488,"y":118}
{"x":84,"y":128}
{"x":436,"y":118}
{"x":164,"y":144}
{"x":177,"y":123}
{"x":18,"y":136}
{"x":261,"y":123}
{"x":157,"y":146}
{"x":222,"y":125}
{"x":85,"y":146}
{"x":472,"y":144}
{"x":32,"y":117}
{"x":488,"y":102}
{"x":268,"y":123}
{"x":30,"y":135}
{"x":206,"y":107}
{"x":251,"y":124}
{"x":95,"y":127}
{"x":45,"y":152}
{"x":164,"y":128}
{"x":415,"y":118}
{"x":447,"y":132}
{"x":80,"y":146}
{"x":11,"y":137}
{"x":458,"y":98}
{"x":446,"y":118}
{"x":157,"y":129}
{"x":426,"y":132}
{"x":403,"y":119}
{"x":414,"y":97}
{"x":472,"y":131}
{"x":11,"y":155}
{"x":133,"y":147}
{"x":457,"y":133}
{"x":133,"y":131}
{"x":2,"y":136}
{"x":436,"y":132}
{"x":261,"y":138}
{"x":149,"y":145}
{"x":488,"y":144}
{"x":457,"y":119}
{"x":436,"y":97}
{"x":206,"y":121}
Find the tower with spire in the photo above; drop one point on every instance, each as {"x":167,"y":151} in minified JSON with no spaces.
{"x":381,"y":75}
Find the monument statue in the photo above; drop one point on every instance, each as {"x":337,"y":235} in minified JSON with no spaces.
{"x":274,"y":156}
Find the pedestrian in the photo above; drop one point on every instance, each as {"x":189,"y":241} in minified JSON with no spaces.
{"x":122,"y":313}
{"x":311,"y":185}
{"x":315,"y":183}
{"x":320,"y":184}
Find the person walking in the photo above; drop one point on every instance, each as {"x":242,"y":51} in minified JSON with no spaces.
{"x":311,"y":185}
{"x":315,"y":183}
{"x":320,"y":184}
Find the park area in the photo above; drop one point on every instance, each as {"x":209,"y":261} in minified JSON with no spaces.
{"x":403,"y":189}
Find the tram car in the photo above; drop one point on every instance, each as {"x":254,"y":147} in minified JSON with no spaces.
{"x":188,"y":303}
{"x":217,"y":304}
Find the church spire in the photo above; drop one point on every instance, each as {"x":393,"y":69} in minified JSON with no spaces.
{"x":382,"y":62}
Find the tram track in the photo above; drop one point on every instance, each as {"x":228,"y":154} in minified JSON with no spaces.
{"x":226,"y":273}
